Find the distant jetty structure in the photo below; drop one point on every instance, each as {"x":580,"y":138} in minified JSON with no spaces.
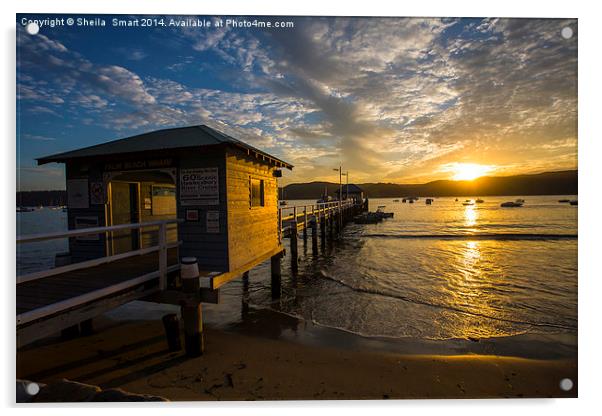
{"x":169,"y":217}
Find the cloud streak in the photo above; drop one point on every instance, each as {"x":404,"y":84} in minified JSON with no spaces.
{"x":393,"y":99}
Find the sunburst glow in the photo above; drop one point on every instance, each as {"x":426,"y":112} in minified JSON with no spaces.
{"x":469,"y":171}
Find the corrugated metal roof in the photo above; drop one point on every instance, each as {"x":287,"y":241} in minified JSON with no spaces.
{"x":182,"y":137}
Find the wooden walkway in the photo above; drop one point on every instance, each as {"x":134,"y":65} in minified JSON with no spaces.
{"x":52,"y":300}
{"x":54,"y":289}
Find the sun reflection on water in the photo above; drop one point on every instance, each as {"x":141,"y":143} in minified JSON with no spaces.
{"x":470,"y":216}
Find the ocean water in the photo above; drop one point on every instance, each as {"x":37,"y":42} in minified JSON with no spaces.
{"x":434,"y":273}
{"x":33,"y":257}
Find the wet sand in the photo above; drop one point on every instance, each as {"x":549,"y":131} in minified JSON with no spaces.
{"x":134,"y":356}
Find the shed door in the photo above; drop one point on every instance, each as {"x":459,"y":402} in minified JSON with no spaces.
{"x":125,"y":209}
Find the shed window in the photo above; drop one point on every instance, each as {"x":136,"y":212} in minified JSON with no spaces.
{"x":257,"y":193}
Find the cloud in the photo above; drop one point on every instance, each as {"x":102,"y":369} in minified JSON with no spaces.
{"x":137,"y":55}
{"x":37,"y":137}
{"x":68,"y":69}
{"x":394,"y":98}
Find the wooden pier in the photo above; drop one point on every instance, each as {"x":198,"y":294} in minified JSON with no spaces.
{"x":167,"y":216}
{"x":66,"y":296}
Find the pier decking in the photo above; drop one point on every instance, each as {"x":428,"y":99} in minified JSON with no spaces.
{"x":55,"y":299}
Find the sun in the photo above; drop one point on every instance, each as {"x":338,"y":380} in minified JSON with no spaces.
{"x":469,"y":171}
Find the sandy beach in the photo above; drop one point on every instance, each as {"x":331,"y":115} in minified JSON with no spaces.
{"x":134,"y":356}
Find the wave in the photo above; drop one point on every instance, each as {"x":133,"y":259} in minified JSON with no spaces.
{"x":374,"y":291}
{"x":478,"y":236}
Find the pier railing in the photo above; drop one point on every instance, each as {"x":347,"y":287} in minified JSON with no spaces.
{"x":162,"y":247}
{"x":302,"y":214}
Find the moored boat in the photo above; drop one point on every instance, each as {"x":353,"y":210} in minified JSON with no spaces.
{"x":380,"y":211}
{"x":513,"y":204}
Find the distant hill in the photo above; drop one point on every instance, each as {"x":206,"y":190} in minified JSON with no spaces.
{"x":44,"y":198}
{"x":548,"y":183}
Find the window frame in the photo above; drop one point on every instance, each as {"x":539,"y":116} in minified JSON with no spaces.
{"x":261,"y":193}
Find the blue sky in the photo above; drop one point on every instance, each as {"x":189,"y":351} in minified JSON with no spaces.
{"x":392,"y":99}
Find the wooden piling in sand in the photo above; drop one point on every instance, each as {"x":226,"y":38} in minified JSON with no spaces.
{"x":276,"y":276}
{"x":193,"y":329}
{"x":191,"y":308}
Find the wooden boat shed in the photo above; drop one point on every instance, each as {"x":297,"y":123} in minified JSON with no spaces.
{"x":352,"y":191}
{"x":223,"y":190}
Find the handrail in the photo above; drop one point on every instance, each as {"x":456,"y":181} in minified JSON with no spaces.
{"x":317,"y":209}
{"x":93,"y":230}
{"x":90,"y":263}
{"x":324,"y":207}
{"x":162,"y":248}
{"x":53,"y":308}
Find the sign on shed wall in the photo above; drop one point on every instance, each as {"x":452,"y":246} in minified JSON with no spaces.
{"x":77,"y":193}
{"x":199,"y":186}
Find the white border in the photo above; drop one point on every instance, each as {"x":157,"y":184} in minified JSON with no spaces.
{"x":590,"y":177}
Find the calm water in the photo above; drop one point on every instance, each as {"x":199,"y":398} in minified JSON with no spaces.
{"x":432,"y":273}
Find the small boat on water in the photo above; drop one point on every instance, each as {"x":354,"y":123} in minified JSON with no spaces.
{"x":24,"y":209}
{"x":396,"y":200}
{"x":573,"y":202}
{"x":456,"y":199}
{"x":373,"y":217}
{"x":429,"y":201}
{"x":468,"y":203}
{"x":479,"y":201}
{"x":513,"y":204}
{"x":411,"y":201}
{"x":564,"y":201}
{"x":380,"y":211}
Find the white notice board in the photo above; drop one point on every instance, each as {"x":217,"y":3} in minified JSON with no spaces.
{"x":213,"y":222}
{"x":199,"y":186}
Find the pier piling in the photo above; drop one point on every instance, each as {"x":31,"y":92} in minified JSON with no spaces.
{"x":191,"y":308}
{"x":193,"y":328}
{"x":171,"y":324}
{"x":276,"y":276}
{"x":323,"y":229}
{"x":305,"y":224}
{"x":294,"y":247}
{"x":245,"y":294}
{"x":314,"y":236}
